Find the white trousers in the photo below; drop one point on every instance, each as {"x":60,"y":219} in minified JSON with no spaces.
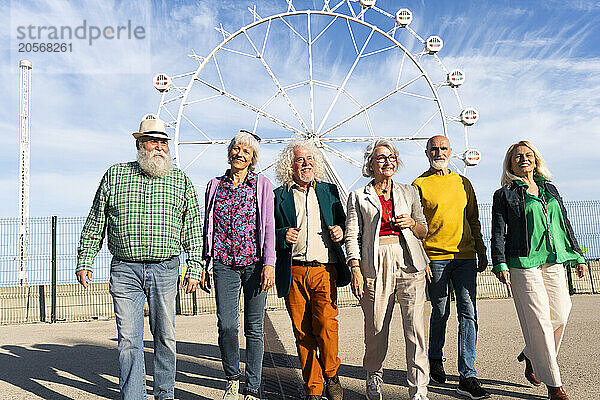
{"x":409,"y":292}
{"x":543,"y":305}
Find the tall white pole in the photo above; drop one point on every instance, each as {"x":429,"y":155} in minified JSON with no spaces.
{"x":25,"y":134}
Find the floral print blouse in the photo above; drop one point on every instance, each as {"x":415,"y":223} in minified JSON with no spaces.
{"x":235,"y":220}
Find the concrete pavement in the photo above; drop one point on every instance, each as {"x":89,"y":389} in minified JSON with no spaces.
{"x":78,"y":360}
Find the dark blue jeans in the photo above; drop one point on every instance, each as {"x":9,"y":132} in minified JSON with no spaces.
{"x":130,"y":285}
{"x":228,"y":283}
{"x":463,"y":275}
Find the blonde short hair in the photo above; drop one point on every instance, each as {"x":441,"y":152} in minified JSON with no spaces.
{"x":508,"y":175}
{"x":247,"y":139}
{"x":367,"y":171}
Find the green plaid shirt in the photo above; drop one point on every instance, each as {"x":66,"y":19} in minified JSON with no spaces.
{"x":147,"y":219}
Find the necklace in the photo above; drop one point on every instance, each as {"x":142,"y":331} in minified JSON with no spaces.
{"x":382,"y":190}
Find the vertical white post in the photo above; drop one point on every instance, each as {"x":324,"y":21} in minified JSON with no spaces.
{"x":24,"y":130}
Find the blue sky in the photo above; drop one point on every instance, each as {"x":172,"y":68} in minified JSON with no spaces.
{"x":532,"y":70}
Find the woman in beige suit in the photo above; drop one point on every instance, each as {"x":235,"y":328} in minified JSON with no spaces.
{"x":384,"y":224}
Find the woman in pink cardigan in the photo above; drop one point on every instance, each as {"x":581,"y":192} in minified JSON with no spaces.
{"x":239,"y":251}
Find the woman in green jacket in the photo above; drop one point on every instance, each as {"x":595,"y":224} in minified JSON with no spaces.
{"x":531,"y":240}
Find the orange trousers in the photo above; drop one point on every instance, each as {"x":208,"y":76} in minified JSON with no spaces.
{"x":312,"y":306}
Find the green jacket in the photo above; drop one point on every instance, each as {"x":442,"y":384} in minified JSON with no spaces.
{"x":332,"y":213}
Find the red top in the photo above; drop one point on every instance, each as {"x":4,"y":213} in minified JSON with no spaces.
{"x":387,"y":213}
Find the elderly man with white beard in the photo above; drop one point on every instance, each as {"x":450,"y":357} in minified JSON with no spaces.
{"x":150,"y":212}
{"x":456,"y":252}
{"x":309,"y":229}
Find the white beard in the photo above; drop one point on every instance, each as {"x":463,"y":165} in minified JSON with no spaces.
{"x":155,"y":163}
{"x":440,"y":164}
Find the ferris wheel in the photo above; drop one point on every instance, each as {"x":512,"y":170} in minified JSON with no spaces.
{"x":341,"y":76}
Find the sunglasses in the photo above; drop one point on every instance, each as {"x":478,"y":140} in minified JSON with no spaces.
{"x":254,"y":135}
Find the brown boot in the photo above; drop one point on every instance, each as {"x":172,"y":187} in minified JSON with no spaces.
{"x":557,"y":393}
{"x":529,"y":375}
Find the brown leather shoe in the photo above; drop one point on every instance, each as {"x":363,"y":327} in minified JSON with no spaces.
{"x":557,"y":393}
{"x":529,"y":375}
{"x":333,"y":388}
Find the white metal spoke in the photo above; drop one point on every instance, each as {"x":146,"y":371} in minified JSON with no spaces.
{"x":420,"y":96}
{"x":335,"y":179}
{"x":276,"y":82}
{"x":238,"y":52}
{"x":337,"y":95}
{"x":293,"y":30}
{"x":401,"y":69}
{"x":338,"y":5}
{"x":178,"y":97}
{"x":364,"y":109}
{"x":219,"y":72}
{"x":379,"y":10}
{"x":182,"y":75}
{"x":262,"y":51}
{"x":341,"y":155}
{"x":352,"y":36}
{"x":325,"y":6}
{"x":460,"y":104}
{"x":290,"y":4}
{"x":195,"y":158}
{"x":425,"y":124}
{"x":323,"y":30}
{"x":251,"y":107}
{"x":262,"y":170}
{"x":170,"y":114}
{"x":202,"y":99}
{"x":361,"y":14}
{"x":379,"y":51}
{"x":440,"y":63}
{"x":274,"y":96}
{"x":415,"y":34}
{"x":354,"y":183}
{"x":351,"y":9}
{"x":392,"y":32}
{"x":352,"y":98}
{"x":195,"y":126}
{"x":254,"y":13}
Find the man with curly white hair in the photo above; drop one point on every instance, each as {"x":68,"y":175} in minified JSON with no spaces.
{"x":309,"y":228}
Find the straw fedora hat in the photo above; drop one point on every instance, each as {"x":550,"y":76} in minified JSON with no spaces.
{"x":153,"y":127}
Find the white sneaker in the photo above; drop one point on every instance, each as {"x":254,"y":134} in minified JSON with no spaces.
{"x":232,"y":390}
{"x":419,"y":396}
{"x":251,"y":397}
{"x":373,"y":386}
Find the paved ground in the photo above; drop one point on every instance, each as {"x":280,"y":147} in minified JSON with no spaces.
{"x":78,"y":360}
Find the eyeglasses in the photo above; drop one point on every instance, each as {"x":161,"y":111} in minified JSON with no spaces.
{"x":392,"y":158}
{"x":254,"y":135}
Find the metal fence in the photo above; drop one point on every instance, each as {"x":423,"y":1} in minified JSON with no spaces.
{"x":40,"y":300}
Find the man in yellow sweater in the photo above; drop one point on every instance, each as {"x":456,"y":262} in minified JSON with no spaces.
{"x":453,"y":244}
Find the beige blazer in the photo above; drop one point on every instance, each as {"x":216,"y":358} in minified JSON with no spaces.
{"x":363,"y":223}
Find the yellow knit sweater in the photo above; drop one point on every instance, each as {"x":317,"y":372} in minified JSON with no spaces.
{"x":450,"y":207}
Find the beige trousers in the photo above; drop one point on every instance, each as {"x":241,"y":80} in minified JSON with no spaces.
{"x":543,"y":305}
{"x":410,"y":294}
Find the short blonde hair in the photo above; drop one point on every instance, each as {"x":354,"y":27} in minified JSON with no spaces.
{"x":247,"y":139}
{"x":285,"y":160}
{"x":367,"y":171}
{"x":508,"y":175}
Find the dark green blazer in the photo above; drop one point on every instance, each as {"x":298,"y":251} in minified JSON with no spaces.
{"x":332,"y":213}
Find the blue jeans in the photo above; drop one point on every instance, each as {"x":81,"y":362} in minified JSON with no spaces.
{"x":130,"y":284}
{"x":463,"y":275}
{"x":228,"y":283}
